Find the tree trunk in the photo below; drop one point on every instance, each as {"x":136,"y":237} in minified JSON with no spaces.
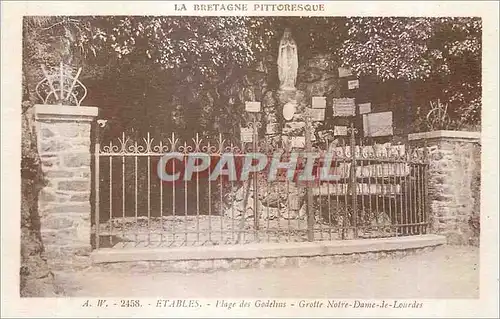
{"x":48,"y":48}
{"x":36,"y":278}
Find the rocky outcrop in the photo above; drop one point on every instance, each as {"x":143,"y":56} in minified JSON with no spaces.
{"x":317,"y":76}
{"x":274,"y":200}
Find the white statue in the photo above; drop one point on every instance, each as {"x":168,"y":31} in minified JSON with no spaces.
{"x":287,"y":61}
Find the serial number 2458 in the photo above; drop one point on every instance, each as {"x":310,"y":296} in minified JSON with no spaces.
{"x":130,"y":303}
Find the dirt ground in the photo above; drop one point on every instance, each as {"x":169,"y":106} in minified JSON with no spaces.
{"x":446,"y":272}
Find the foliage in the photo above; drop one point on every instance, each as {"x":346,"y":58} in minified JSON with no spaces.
{"x":203,"y":44}
{"x":208,"y":45}
{"x":194,"y":73}
{"x":442,"y":53}
{"x":189,"y":69}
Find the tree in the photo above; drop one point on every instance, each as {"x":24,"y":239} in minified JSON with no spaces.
{"x":196,"y":62}
{"x":206,"y":65}
{"x":200,"y":67}
{"x":442,"y":55}
{"x":40,"y":45}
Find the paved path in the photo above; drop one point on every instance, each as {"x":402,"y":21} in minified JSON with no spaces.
{"x":447,"y":272}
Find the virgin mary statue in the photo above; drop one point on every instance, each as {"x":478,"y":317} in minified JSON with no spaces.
{"x":287,"y":61}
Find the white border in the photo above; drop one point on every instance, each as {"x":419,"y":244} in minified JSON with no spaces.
{"x":12,"y":13}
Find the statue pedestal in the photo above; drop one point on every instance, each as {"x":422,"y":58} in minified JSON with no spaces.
{"x":295,"y":127}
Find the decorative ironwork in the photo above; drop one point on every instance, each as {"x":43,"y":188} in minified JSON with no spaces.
{"x":438,"y":117}
{"x":59,"y":86}
{"x":102,"y":123}
{"x":381,"y":192}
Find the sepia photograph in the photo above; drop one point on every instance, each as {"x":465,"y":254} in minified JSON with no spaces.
{"x":291,"y":158}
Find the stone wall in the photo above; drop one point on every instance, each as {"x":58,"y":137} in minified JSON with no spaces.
{"x":454,"y":183}
{"x":64,"y":203}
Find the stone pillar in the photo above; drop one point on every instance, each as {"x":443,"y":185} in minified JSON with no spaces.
{"x":454,"y":183}
{"x":64,"y":203}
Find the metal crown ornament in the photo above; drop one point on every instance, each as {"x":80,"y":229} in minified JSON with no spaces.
{"x":59,"y":86}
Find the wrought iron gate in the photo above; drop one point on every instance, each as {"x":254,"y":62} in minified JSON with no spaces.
{"x":381,"y":191}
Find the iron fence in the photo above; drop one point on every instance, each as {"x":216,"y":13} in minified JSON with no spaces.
{"x":379,"y":192}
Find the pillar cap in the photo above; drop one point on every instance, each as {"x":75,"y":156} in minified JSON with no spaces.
{"x":65,"y":113}
{"x":460,"y":135}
